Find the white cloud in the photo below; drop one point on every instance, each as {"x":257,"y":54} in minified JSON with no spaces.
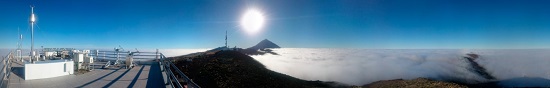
{"x":362,"y":66}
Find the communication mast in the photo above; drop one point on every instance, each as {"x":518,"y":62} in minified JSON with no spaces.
{"x":226,"y":39}
{"x":32,"y":21}
{"x":19,"y":44}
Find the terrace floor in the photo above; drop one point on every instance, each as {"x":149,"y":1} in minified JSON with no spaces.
{"x":141,"y":76}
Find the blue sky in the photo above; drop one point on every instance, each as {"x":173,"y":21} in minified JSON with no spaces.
{"x":376,"y":24}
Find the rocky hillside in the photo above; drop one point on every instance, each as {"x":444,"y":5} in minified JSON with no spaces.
{"x":232,"y":69}
{"x":415,"y":83}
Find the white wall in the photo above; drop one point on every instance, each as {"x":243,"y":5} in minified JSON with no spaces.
{"x":48,"y":69}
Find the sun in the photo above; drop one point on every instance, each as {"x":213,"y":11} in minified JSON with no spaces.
{"x":252,"y":21}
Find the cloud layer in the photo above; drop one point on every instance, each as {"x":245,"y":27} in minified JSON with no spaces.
{"x":363,"y":66}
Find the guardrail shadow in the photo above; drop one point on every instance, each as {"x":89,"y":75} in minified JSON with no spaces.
{"x":136,"y":78}
{"x":99,"y":78}
{"x":18,"y":71}
{"x":155,"y":77}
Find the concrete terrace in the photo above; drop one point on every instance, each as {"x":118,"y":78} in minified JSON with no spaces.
{"x":144,"y":75}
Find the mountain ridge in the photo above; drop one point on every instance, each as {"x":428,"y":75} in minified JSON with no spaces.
{"x":264,"y":44}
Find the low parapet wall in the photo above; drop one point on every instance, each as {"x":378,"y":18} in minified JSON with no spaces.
{"x":48,"y":69}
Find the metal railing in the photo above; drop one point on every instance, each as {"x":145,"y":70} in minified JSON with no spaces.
{"x":112,"y":55}
{"x":168,"y":66}
{"x":6,"y":70}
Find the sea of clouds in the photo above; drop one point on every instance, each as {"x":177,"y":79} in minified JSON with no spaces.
{"x":511,"y":67}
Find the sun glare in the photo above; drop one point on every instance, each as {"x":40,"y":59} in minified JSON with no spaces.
{"x":252,"y":21}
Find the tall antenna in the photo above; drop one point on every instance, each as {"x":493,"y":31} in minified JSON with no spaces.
{"x":19,"y":44}
{"x":226,"y":39}
{"x":32,"y":21}
{"x":20,"y":38}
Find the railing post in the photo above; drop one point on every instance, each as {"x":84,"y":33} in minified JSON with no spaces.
{"x":96,"y":53}
{"x":104,"y":57}
{"x":157,"y":55}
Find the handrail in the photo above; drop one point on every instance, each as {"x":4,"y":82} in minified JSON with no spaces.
{"x":168,"y":68}
{"x":189,"y":81}
{"x":163,"y":68}
{"x":6,"y":70}
{"x":166,"y":65}
{"x":112,"y":55}
{"x":173,"y":77}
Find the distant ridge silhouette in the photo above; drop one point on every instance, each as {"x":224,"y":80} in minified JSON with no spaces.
{"x":260,"y":48}
{"x":264,"y":44}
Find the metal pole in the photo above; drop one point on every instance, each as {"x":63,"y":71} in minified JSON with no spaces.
{"x":32,"y":33}
{"x":226,"y":39}
{"x":96,"y":54}
{"x":19,"y":52}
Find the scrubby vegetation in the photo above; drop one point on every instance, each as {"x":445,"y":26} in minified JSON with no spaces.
{"x":232,"y":69}
{"x":415,"y":83}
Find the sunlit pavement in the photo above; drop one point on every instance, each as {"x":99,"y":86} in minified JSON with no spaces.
{"x":140,"y":76}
